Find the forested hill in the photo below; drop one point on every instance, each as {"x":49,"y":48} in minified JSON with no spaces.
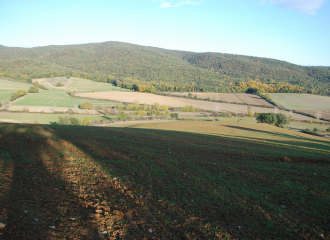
{"x":129,"y":65}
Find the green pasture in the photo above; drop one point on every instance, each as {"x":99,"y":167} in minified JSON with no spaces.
{"x":301,"y":101}
{"x":4,"y":84}
{"x":5,"y":94}
{"x":58,"y":97}
{"x":9,"y":87}
{"x":83,"y":85}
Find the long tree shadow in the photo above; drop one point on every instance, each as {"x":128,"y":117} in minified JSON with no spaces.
{"x":276,"y":133}
{"x":39,"y":204}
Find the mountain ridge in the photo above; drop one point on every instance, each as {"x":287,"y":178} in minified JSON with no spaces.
{"x":111,"y":61}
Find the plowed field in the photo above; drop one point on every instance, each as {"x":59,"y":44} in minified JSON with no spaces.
{"x":175,"y":180}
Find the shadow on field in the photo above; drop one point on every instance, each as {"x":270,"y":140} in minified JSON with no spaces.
{"x":37,"y":199}
{"x":139,"y":183}
{"x":279,"y":134}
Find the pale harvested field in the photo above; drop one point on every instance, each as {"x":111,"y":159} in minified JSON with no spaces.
{"x":39,"y":109}
{"x":302,"y":101}
{"x":148,"y":98}
{"x":229,"y":97}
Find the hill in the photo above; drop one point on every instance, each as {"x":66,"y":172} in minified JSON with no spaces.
{"x":129,"y":65}
{"x":169,"y":180}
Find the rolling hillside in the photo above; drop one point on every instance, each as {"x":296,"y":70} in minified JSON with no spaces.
{"x":167,"y":70}
{"x":163,"y":180}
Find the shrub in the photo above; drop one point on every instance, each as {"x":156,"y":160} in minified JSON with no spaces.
{"x":216,"y":114}
{"x":269,"y":118}
{"x":141,"y":113}
{"x":164,"y":116}
{"x":17,"y":94}
{"x":281,"y":120}
{"x":278,"y":119}
{"x":43,"y":87}
{"x":75,"y":121}
{"x":188,"y":109}
{"x":71,"y":94}
{"x":63,"y":120}
{"x":86,"y":105}
{"x":36,"y":84}
{"x":267,"y":96}
{"x":121,"y":116}
{"x":85,"y":121}
{"x":154,"y":112}
{"x":33,"y":89}
{"x":109,"y":111}
{"x":328,"y":130}
{"x":174,"y":116}
{"x":315,"y":130}
{"x":59,"y":84}
{"x":250,"y":113}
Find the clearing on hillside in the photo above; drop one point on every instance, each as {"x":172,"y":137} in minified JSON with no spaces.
{"x":53,"y":81}
{"x":165,"y":180}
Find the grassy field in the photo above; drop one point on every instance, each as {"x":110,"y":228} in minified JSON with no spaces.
{"x":40,"y":118}
{"x":57,"y":97}
{"x":8,"y":87}
{"x":301,"y":101}
{"x":79,"y":85}
{"x":164,"y":180}
{"x":5,"y":94}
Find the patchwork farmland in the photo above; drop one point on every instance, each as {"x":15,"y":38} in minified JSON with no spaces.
{"x":148,"y":98}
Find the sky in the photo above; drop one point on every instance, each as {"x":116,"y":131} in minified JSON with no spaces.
{"x":296,"y":31}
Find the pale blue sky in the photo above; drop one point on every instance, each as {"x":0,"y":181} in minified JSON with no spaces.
{"x":297,"y":31}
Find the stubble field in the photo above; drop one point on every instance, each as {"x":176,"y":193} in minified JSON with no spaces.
{"x":301,"y":101}
{"x":161,"y":180}
{"x":229,"y":97}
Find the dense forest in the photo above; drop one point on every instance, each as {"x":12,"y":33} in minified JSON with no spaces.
{"x":153,"y":69}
